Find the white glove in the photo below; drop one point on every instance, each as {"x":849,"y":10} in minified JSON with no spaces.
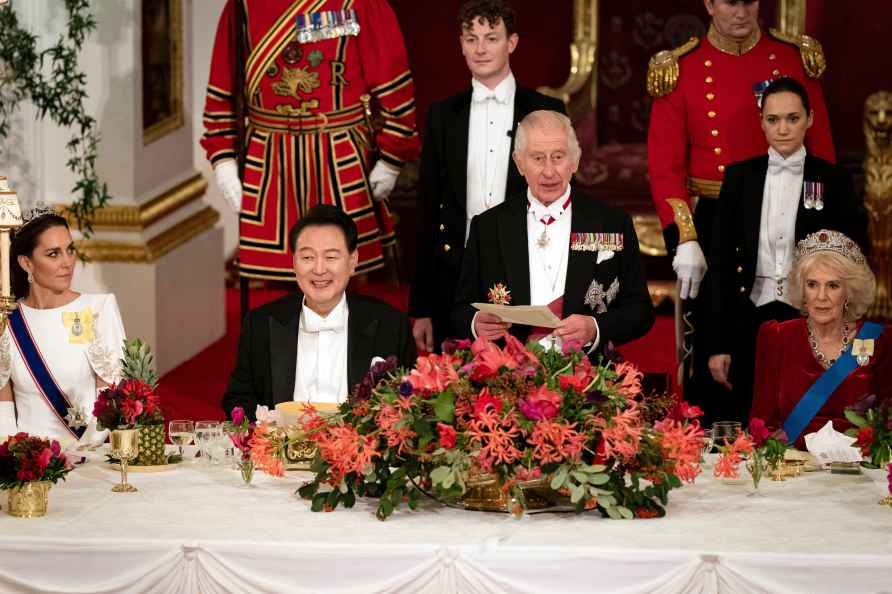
{"x":229,"y":183}
{"x":382,"y":180}
{"x":7,"y":419}
{"x":690,"y":266}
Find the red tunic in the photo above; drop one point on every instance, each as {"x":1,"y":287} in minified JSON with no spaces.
{"x":307,"y":140}
{"x":786,"y":368}
{"x":711,"y":119}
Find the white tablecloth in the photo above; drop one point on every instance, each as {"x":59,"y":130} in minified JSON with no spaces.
{"x":196,"y":529}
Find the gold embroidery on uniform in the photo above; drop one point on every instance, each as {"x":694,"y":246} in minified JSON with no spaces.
{"x":294,"y":79}
{"x":682,"y":215}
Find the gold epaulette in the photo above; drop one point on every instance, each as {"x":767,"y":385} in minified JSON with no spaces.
{"x":662,"y":70}
{"x":809,"y":49}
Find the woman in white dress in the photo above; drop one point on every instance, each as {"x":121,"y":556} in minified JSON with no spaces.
{"x":59,"y":346}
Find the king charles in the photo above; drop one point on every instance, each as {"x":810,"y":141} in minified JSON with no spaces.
{"x":558,"y":248}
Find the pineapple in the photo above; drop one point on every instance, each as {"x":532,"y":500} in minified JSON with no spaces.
{"x":139,"y":364}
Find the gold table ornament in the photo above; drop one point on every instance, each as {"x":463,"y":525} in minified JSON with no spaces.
{"x":10,"y":219}
{"x":124,"y":447}
{"x":299,"y":451}
{"x":29,"y":500}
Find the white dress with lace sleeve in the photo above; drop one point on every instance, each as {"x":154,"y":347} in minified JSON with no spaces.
{"x":80,"y":342}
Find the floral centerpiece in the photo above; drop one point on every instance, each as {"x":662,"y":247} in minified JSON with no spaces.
{"x":763,"y":450}
{"x":133,"y":403}
{"x":240,"y":430}
{"x":508,"y":416}
{"x":29,"y":465}
{"x":872,"y":422}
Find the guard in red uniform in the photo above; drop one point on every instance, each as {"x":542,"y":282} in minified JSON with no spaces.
{"x":705,"y":115}
{"x":310,"y":68}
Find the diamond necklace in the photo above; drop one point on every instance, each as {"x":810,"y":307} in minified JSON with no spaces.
{"x":822,"y":359}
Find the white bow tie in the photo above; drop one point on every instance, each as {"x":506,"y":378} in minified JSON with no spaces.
{"x":315,"y":324}
{"x":777,"y":164}
{"x":481,"y":96}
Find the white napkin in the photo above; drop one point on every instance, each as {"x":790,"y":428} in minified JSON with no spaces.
{"x":828,"y":445}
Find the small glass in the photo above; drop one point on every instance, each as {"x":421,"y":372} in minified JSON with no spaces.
{"x":182,"y":433}
{"x":707,"y":445}
{"x":724,"y":433}
{"x":205,"y":433}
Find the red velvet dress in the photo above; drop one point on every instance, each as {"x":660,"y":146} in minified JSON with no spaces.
{"x":786,"y":368}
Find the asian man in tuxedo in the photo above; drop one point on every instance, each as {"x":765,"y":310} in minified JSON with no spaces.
{"x":316,"y":344}
{"x":466,"y":164}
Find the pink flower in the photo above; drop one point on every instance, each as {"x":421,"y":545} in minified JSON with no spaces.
{"x":447,"y":435}
{"x":489,"y":359}
{"x":238,"y":415}
{"x":541,"y":404}
{"x":43,"y":460}
{"x":434,"y":373}
{"x":131,"y":409}
{"x":758,"y":431}
{"x":890,"y":478}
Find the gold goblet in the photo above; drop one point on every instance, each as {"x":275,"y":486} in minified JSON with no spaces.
{"x":124,"y":447}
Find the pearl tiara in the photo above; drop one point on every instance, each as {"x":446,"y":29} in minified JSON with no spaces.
{"x":826,"y":240}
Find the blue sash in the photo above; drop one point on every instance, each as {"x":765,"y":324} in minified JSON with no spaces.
{"x":820,"y":391}
{"x":40,"y":373}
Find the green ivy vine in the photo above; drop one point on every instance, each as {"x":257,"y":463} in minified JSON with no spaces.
{"x":53,"y":82}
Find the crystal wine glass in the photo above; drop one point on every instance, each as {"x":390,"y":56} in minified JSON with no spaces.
{"x":205,"y":432}
{"x":182,"y":432}
{"x":725,"y":432}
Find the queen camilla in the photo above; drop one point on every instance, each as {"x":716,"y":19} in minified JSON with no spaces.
{"x":59,"y":345}
{"x":809,"y":370}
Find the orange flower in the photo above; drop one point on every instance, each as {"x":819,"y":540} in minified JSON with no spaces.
{"x":622,"y":434}
{"x":266,"y":451}
{"x":681,"y":445}
{"x":496,"y":437}
{"x":345,"y":451}
{"x":434,"y":373}
{"x":629,"y":378}
{"x":556,"y":442}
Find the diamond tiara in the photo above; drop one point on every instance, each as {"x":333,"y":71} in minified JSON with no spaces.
{"x":40,"y":209}
{"x":826,"y":240}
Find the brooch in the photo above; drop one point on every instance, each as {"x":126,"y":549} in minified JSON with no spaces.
{"x":499,"y":295}
{"x":79,"y":325}
{"x":862,"y":348}
{"x":597,"y":298}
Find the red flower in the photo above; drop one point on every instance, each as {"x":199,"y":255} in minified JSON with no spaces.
{"x":683,"y":410}
{"x":572,"y":381}
{"x":447,"y":435}
{"x":865,"y":439}
{"x":758,"y":431}
{"x":486,"y":403}
{"x":489,"y":359}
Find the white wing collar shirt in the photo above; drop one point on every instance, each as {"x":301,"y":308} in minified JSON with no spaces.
{"x":489,"y":145}
{"x":780,"y":201}
{"x":548,"y":245}
{"x":321,"y":370}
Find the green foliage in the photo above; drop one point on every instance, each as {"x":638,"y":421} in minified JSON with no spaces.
{"x":53,"y":82}
{"x":139,"y":362}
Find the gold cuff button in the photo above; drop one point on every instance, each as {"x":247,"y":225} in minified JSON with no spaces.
{"x":447,"y":247}
{"x":710,"y":96}
{"x":717,"y":150}
{"x":711,"y":114}
{"x":721,"y":169}
{"x":715,"y":132}
{"x":772,"y":57}
{"x":709,"y":80}
{"x":707,"y":63}
{"x":775,"y":72}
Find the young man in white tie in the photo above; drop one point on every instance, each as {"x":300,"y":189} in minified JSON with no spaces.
{"x":466,"y":164}
{"x":766,"y":205}
{"x":555,"y":247}
{"x":316,"y":344}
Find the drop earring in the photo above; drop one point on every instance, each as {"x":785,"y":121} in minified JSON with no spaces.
{"x":30,"y":278}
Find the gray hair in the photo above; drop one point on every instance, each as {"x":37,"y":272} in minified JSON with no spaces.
{"x":547,"y":119}
{"x":859,"y":281}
